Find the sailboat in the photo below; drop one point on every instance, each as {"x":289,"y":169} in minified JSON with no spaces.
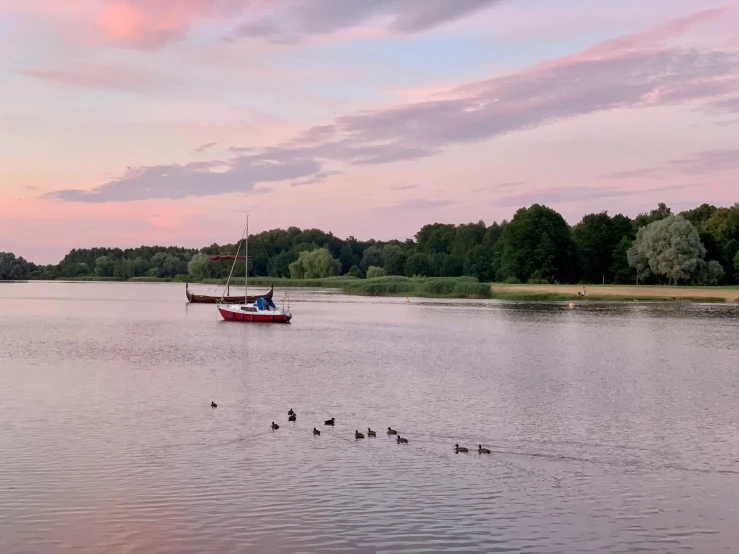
{"x":257,"y":310}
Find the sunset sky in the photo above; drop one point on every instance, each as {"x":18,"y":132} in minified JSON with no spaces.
{"x":128,"y":122}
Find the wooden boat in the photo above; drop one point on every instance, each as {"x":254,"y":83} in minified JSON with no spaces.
{"x":207,"y":299}
{"x":259,"y":310}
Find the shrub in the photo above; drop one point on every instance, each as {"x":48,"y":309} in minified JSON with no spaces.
{"x":373,"y":272}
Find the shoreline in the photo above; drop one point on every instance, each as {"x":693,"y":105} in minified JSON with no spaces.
{"x":467,"y":288}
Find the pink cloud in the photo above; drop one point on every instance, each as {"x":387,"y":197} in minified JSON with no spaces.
{"x":146,"y":23}
{"x":153,"y":23}
{"x":616,"y":74}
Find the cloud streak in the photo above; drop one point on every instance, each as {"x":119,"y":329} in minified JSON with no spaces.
{"x":561,"y":195}
{"x":205,"y":147}
{"x":707,"y":163}
{"x":194,"y":179}
{"x":612,"y":75}
{"x":102,"y":77}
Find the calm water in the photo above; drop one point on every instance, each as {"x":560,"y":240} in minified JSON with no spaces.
{"x":613,"y":428}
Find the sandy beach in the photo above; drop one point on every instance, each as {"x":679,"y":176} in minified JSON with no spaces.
{"x":729,"y":294}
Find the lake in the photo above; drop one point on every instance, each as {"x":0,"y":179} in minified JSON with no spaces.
{"x":613,"y":427}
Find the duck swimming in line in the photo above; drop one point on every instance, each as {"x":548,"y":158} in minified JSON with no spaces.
{"x":316,"y":432}
{"x":460,"y":449}
{"x":391,"y":431}
{"x":213,"y":404}
{"x":358,"y":435}
{"x":291,"y":412}
{"x":482,"y":450}
{"x":275,"y":426}
{"x":293,"y":417}
{"x":330,"y":421}
{"x":371,"y":433}
{"x":401,"y":440}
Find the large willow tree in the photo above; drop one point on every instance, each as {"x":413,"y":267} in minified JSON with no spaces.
{"x":669,"y":248}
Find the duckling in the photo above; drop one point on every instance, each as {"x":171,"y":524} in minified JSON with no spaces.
{"x":391,"y":431}
{"x":460,"y":449}
{"x":291,"y":412}
{"x":275,"y":426}
{"x":371,"y":433}
{"x":358,"y":435}
{"x":401,"y":440}
{"x":293,"y":417}
{"x":482,"y":450}
{"x":316,"y":432}
{"x":213,"y":404}
{"x":330,"y":421}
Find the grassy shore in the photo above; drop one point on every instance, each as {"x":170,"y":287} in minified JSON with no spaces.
{"x":444,"y":287}
{"x":616,"y":293}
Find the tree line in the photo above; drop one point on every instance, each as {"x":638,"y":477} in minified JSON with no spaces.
{"x":699,"y":246}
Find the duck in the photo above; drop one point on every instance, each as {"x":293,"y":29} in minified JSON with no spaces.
{"x":316,"y":432}
{"x":275,"y":426}
{"x":358,"y":435}
{"x":401,"y":440}
{"x":330,"y":421}
{"x":461,"y":449}
{"x":391,"y":431}
{"x":292,"y":417}
{"x":371,"y":433}
{"x":213,"y":404}
{"x":291,"y":412}
{"x":482,"y":450}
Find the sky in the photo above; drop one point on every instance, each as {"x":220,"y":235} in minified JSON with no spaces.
{"x":129,"y":122}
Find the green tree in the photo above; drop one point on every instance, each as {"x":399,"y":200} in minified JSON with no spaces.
{"x":620,"y":269}
{"x":700,"y":215}
{"x":417,"y":264}
{"x":315,"y":264}
{"x":200,"y":267}
{"x":710,"y":274}
{"x":12,"y":268}
{"x":536,"y":243}
{"x":348,"y":258}
{"x":374,"y":272}
{"x":736,"y":266}
{"x":596,"y":238}
{"x":104,"y":266}
{"x":395,"y":258}
{"x":281,"y":263}
{"x":354,"y":271}
{"x":436,"y":238}
{"x":658,"y":214}
{"x":371,"y":256}
{"x":165,"y":264}
{"x":479,"y":263}
{"x":671,"y":247}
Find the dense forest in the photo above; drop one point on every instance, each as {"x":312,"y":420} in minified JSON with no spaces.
{"x":699,"y":246}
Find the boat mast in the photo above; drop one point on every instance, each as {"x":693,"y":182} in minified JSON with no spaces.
{"x":246,"y":262}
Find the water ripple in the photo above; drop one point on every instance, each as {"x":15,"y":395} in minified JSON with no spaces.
{"x":612,"y":428}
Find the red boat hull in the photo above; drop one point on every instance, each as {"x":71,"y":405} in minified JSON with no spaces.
{"x":248,"y":317}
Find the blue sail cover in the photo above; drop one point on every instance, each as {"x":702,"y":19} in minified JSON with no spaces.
{"x":260,"y":303}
